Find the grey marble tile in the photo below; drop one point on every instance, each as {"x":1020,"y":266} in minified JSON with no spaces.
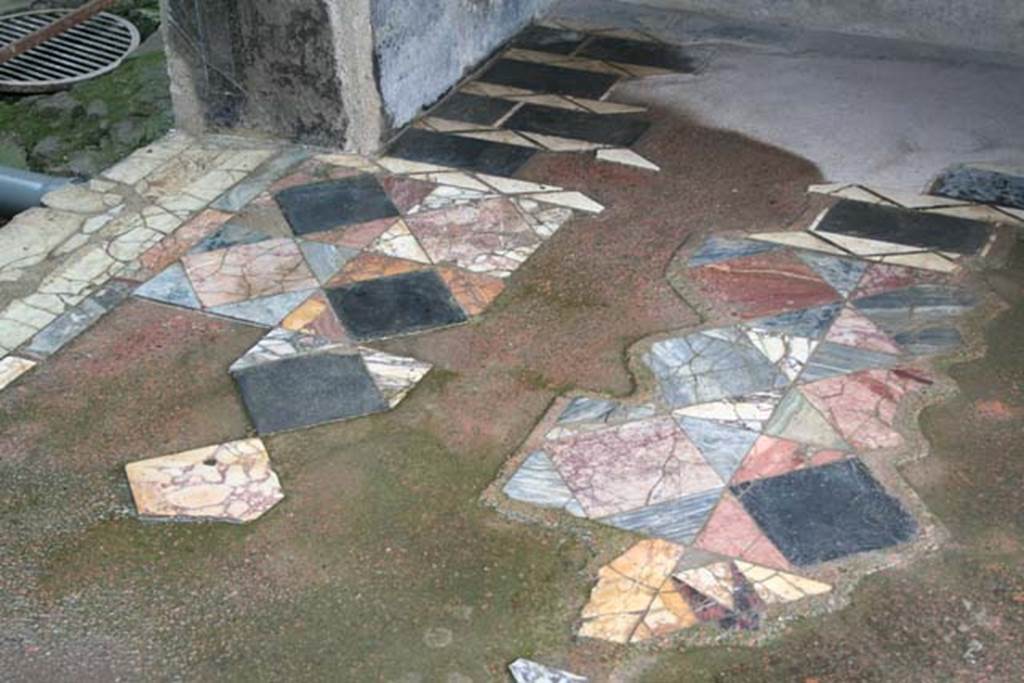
{"x":584,"y":409}
{"x":170,"y":286}
{"x":268,"y":310}
{"x":812,"y":323}
{"x":797,"y":420}
{"x":699,"y":368}
{"x":842,"y":274}
{"x":981,"y":185}
{"x":723,"y":446}
{"x":678,"y":521}
{"x":324,"y":259}
{"x":831,"y":360}
{"x":537,"y":481}
{"x":902,"y":312}
{"x":715,"y":249}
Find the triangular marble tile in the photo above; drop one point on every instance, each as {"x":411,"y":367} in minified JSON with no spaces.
{"x":170,"y":286}
{"x":398,"y":242}
{"x":831,"y":360}
{"x":732,"y":532}
{"x":230,"y":235}
{"x":842,"y":273}
{"x":797,"y":420}
{"x":749,"y":412}
{"x":538,"y":482}
{"x":723,"y":446}
{"x":326,"y":259}
{"x":269,"y":310}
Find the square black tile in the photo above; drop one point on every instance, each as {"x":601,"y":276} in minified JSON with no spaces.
{"x":327,"y":205}
{"x":824,"y":513}
{"x":395,"y":305}
{"x":906,"y":227}
{"x":545,"y":39}
{"x":495,"y":158}
{"x":621,"y":130}
{"x":543,"y":78}
{"x":473,"y":109}
{"x":981,"y":185}
{"x":640,"y":53}
{"x":308,"y":390}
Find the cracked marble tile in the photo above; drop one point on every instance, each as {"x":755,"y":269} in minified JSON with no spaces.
{"x":488,"y":237}
{"x":170,"y":286}
{"x":545,"y":220}
{"x":700,"y":368}
{"x":626,"y":589}
{"x":177,"y":244}
{"x":248,"y":271}
{"x":723,"y":446}
{"x":863,"y":405}
{"x":230,"y":482}
{"x":786,"y":352}
{"x":678,"y":520}
{"x":76,"y":320}
{"x":842,"y":273}
{"x":883,"y":278}
{"x":631,"y":466}
{"x":281,"y":343}
{"x":831,"y":359}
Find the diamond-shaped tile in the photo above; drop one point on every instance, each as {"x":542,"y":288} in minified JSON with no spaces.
{"x":306,"y":390}
{"x":322,"y":206}
{"x":824,"y":513}
{"x":395,"y":305}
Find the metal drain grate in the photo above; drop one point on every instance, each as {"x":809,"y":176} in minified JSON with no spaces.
{"x":82,"y":52}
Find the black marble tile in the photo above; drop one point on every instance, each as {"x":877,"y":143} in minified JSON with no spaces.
{"x":641,"y":53}
{"x":495,"y":158}
{"x":544,"y":78}
{"x":473,"y":108}
{"x":395,"y":305}
{"x":824,"y":513}
{"x":620,"y":130}
{"x":545,"y":39}
{"x":307,"y":390}
{"x":323,"y":206}
{"x":906,"y":227}
{"x":981,"y":185}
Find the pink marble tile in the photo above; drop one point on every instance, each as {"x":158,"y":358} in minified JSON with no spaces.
{"x":880,"y":278}
{"x":732,"y":532}
{"x":248,"y":271}
{"x":485,"y":237}
{"x":406,"y":193}
{"x":863,"y":405}
{"x":631,"y":466}
{"x":853,"y":329}
{"x":762,"y":284}
{"x":772,"y":456}
{"x":177,"y":244}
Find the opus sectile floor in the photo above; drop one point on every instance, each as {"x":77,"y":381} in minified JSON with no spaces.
{"x":332,"y":252}
{"x":753,"y":469}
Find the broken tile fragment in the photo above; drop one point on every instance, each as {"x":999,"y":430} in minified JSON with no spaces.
{"x":627,"y":157}
{"x":267,"y":310}
{"x":626,"y":588}
{"x":526,"y":671}
{"x":786,"y":352}
{"x":13,"y":367}
{"x":229,"y":482}
{"x":750,"y":412}
{"x":395,"y":376}
{"x":76,"y":320}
